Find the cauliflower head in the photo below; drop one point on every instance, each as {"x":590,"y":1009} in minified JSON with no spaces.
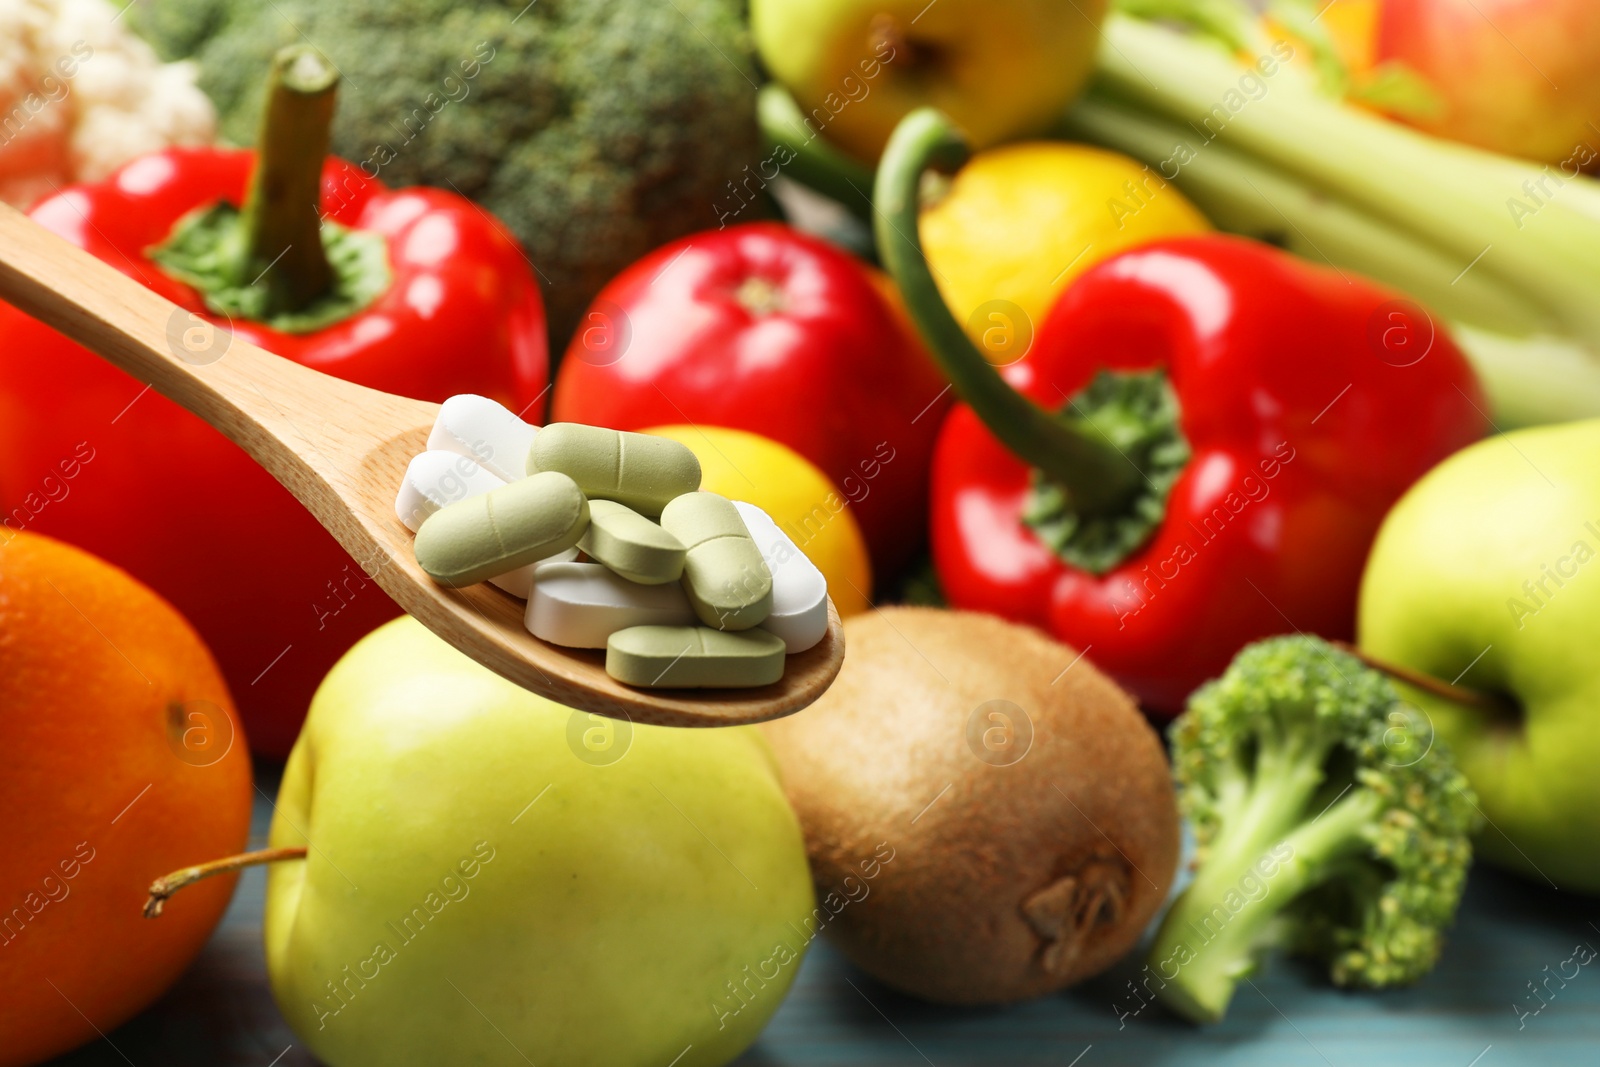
{"x":81,"y":94}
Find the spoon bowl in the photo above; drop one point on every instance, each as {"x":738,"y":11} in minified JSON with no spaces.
{"x":341,"y":450}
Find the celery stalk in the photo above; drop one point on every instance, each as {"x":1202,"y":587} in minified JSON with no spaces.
{"x":1533,"y":380}
{"x":1337,"y":183}
{"x":1243,"y":194}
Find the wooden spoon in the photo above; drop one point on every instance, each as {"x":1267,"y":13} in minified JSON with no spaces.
{"x":341,"y":449}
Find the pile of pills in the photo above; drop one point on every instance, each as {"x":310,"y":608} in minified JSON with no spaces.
{"x":682,"y":588}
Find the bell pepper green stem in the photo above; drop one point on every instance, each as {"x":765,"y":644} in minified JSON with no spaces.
{"x":1097,"y":478}
{"x":280,"y":231}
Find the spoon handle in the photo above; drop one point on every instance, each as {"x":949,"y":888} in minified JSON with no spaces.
{"x":276,"y":410}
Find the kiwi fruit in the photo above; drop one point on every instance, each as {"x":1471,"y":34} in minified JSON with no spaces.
{"x":988,"y":817}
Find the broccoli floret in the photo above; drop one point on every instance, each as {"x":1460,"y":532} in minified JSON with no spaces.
{"x":595,"y":129}
{"x":1329,"y":822}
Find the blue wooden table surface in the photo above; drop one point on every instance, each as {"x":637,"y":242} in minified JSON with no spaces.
{"x":1475,"y":1010}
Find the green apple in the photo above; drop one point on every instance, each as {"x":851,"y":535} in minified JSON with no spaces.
{"x":1487,"y":573}
{"x":495,"y":879}
{"x":1001,"y":68}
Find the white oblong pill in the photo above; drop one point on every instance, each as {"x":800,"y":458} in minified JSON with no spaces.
{"x":799,"y":591}
{"x":519,"y":583}
{"x":485,"y":431}
{"x":436,"y":478}
{"x":580,"y":605}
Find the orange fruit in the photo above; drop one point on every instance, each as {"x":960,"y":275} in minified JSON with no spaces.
{"x":121,"y":760}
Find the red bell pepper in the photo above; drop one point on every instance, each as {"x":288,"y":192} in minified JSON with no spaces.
{"x":759,"y":327}
{"x":89,"y":455}
{"x":1196,"y":452}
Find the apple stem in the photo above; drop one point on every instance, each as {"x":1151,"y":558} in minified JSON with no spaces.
{"x":1459,"y":694}
{"x":885,"y":32}
{"x":164,"y":887}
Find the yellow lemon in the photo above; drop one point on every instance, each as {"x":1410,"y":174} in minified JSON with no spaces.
{"x":798,"y":496}
{"x":1019,"y":222}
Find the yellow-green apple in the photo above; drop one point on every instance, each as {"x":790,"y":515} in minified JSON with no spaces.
{"x":1486,"y":574}
{"x":1001,"y":68}
{"x":1514,"y":76}
{"x":492,"y":878}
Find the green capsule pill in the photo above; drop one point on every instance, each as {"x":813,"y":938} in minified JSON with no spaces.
{"x":631,"y":545}
{"x":484,"y":536}
{"x":635,"y":469}
{"x":693,"y":657}
{"x":729,"y":585}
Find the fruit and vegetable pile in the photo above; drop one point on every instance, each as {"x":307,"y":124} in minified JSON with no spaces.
{"x":1191,"y":409}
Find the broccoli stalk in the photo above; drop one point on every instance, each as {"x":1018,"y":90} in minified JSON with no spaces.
{"x":1328,"y":820}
